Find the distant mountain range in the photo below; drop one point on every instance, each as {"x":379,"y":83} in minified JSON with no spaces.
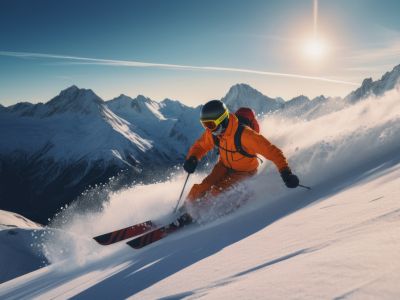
{"x":51,"y":152}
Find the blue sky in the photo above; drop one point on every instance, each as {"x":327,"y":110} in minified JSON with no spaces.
{"x":43,"y":44}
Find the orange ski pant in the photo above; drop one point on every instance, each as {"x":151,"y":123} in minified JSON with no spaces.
{"x":219,"y":180}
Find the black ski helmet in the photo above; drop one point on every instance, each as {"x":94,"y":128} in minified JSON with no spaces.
{"x":214,"y":110}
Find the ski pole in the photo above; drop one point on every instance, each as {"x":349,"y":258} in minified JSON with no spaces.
{"x":180,"y":197}
{"x":305,"y":187}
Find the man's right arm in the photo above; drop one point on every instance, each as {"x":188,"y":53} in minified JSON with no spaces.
{"x":204,"y":144}
{"x":200,"y":148}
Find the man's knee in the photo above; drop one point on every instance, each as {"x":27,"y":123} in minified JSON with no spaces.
{"x":216,"y":190}
{"x":228,"y":182}
{"x":196,"y":192}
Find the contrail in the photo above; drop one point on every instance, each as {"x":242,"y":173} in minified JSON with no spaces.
{"x":138,"y":64}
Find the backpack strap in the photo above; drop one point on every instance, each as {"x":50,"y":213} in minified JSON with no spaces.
{"x":216,"y":141}
{"x":238,"y":141}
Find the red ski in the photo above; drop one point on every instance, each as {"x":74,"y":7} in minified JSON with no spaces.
{"x":125,"y":233}
{"x":160,"y":233}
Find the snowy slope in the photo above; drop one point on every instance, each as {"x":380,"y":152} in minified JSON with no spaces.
{"x":329,"y":250}
{"x":13,"y":220}
{"x":339,"y":240}
{"x":18,"y":256}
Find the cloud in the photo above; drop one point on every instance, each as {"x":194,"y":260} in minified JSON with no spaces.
{"x":137,"y":64}
{"x":377,"y":55}
{"x":383,"y":51}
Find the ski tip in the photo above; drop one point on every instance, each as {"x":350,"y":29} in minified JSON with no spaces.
{"x":101,"y":240}
{"x":124,"y":233}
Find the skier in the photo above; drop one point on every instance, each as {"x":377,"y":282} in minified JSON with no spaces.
{"x":238,"y":146}
{"x":237,"y":152}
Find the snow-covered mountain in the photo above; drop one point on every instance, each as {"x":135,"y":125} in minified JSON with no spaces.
{"x":141,"y":110}
{"x":76,"y":140}
{"x":75,"y":100}
{"x":340,"y":240}
{"x":297,"y":101}
{"x":71,"y":100}
{"x":297,"y":106}
{"x":376,"y":88}
{"x":169,"y":123}
{"x":243,"y":95}
{"x":172,"y":108}
{"x":303,"y":107}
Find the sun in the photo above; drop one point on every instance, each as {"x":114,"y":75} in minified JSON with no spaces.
{"x":315,"y":49}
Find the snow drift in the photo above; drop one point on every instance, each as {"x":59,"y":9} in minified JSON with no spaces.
{"x":20,"y":252}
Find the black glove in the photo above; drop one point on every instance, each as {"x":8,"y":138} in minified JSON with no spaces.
{"x":290,"y":180}
{"x":190,"y":164}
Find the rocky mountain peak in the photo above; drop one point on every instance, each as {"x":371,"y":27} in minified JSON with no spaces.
{"x":241,"y":89}
{"x":376,"y":88}
{"x":320,"y":98}
{"x":243,"y":94}
{"x":69,"y":91}
{"x":74,"y":99}
{"x":143,"y":99}
{"x":297,"y":101}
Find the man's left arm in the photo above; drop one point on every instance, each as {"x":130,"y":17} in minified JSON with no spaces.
{"x":260,"y":145}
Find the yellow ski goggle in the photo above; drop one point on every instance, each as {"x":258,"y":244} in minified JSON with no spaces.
{"x":213,"y":124}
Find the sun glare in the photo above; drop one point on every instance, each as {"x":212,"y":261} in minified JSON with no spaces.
{"x":315,"y":49}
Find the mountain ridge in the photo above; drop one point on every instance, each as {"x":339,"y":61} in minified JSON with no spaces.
{"x":375,"y":88}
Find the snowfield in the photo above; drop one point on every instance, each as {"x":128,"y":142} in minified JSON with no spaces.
{"x":18,"y":255}
{"x":341,"y":240}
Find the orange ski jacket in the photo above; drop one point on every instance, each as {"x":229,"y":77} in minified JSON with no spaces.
{"x":252,"y":142}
